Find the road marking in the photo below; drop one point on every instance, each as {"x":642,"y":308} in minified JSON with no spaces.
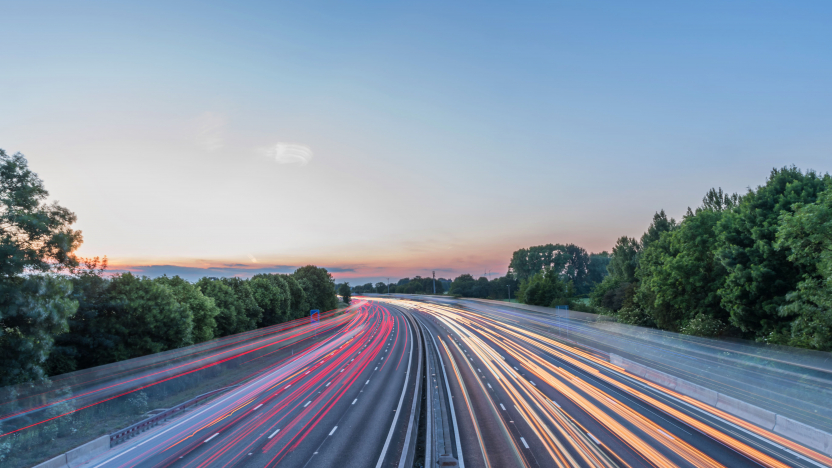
{"x":274,"y":433}
{"x":353,"y":402}
{"x":489,"y":385}
{"x":342,"y":370}
{"x":367,"y":382}
{"x":593,"y":438}
{"x":479,"y":370}
{"x":532,"y":382}
{"x":307,"y":372}
{"x":333,"y":430}
{"x":261,"y":404}
{"x":515,"y":368}
{"x":524,"y":442}
{"x":376,"y":368}
{"x":665,"y":434}
{"x":555,"y":403}
{"x":307,"y":403}
{"x":284,"y":388}
{"x":503,"y":407}
{"x":206,"y":440}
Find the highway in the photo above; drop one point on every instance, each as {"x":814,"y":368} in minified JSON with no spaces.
{"x":529,"y":399}
{"x":344,"y":401}
{"x":397,"y":382}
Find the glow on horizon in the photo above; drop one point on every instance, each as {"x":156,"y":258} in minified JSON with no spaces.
{"x":401,"y":139}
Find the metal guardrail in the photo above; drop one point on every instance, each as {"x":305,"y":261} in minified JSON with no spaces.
{"x":146,"y":424}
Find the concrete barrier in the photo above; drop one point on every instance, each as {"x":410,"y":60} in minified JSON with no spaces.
{"x":806,"y":435}
{"x":57,"y":462}
{"x":747,"y":411}
{"x":661,"y":378}
{"x":698,"y":392}
{"x":82,"y":454}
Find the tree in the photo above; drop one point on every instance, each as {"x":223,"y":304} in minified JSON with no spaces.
{"x":806,"y":234}
{"x":680,"y":276}
{"x":145,"y":317}
{"x":202,"y":308}
{"x":230,"y":318}
{"x":298,"y":302}
{"x":624,"y":260}
{"x":760,"y":276}
{"x":344,"y":291}
{"x":597,"y":269}
{"x":271,"y":293}
{"x":381,"y":288}
{"x":35,"y":238}
{"x":319,"y":287}
{"x":545,"y":289}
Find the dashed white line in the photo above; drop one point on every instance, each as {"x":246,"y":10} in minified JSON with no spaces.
{"x":333,"y":430}
{"x":206,"y":440}
{"x":327,"y":384}
{"x":353,"y":402}
{"x":307,"y":403}
{"x":367,"y":382}
{"x":274,"y":433}
{"x":503,"y":407}
{"x":593,"y":438}
{"x":261,"y":404}
{"x":524,"y":442}
{"x":284,"y":388}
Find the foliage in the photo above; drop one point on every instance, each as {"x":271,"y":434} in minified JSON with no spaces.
{"x":202,"y":308}
{"x":35,"y":238}
{"x":807,"y":235}
{"x":679,"y":274}
{"x":545,"y":289}
{"x":569,"y":261}
{"x":318,"y":286}
{"x":271,"y":293}
{"x":703,"y":325}
{"x":344,"y":291}
{"x":759,"y":274}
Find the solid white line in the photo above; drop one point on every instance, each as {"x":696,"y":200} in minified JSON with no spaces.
{"x":503,"y":407}
{"x":524,"y":442}
{"x":274,"y":433}
{"x":261,"y":404}
{"x":206,"y":440}
{"x":333,"y":430}
{"x":353,"y":402}
{"x":307,"y":403}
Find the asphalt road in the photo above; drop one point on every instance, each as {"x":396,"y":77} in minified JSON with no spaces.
{"x":335,"y":404}
{"x":526,"y":398}
{"x":474,"y":384}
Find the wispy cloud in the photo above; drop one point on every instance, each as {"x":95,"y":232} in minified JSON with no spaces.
{"x":290,"y":153}
{"x":210,"y":129}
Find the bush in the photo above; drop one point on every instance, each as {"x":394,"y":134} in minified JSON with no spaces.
{"x":703,"y":325}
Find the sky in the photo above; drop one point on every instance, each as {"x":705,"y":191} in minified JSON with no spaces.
{"x":392,"y":139}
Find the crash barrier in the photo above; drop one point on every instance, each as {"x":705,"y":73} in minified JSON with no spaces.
{"x":146,"y":424}
{"x":797,"y":431}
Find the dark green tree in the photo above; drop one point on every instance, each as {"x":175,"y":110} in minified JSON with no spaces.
{"x":344,"y":291}
{"x":546,"y":288}
{"x":202,"y":307}
{"x":319,"y":287}
{"x":35,"y":240}
{"x":271,"y":293}
{"x":145,"y":317}
{"x":759,"y":274}
{"x":806,"y":234}
{"x":679,"y":274}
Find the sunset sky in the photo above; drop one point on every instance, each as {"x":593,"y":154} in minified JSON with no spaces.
{"x":390,"y":139}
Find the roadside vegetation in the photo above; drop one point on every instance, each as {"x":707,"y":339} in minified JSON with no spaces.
{"x":755,"y":266}
{"x":60,"y":313}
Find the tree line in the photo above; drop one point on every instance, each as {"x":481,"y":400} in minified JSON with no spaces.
{"x":60,"y":313}
{"x":755,"y":266}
